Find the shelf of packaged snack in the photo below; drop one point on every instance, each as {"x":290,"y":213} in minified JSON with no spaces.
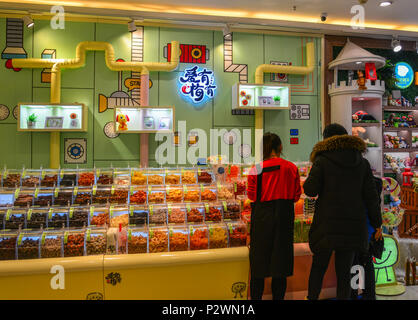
{"x":400,"y":109}
{"x":392,"y":129}
{"x":366,"y":124}
{"x":409,"y":150}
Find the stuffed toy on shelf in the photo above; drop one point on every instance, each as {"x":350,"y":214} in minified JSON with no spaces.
{"x":122,"y":120}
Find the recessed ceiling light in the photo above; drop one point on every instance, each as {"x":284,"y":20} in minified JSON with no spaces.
{"x":358,"y":62}
{"x":385,"y":3}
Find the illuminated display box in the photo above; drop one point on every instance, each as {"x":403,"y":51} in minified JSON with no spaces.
{"x":52,"y":117}
{"x":260,"y":96}
{"x":144,"y":119}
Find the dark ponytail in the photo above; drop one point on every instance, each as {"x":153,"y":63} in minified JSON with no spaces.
{"x":271,"y":142}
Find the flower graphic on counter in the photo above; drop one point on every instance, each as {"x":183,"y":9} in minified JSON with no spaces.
{"x":198,"y":84}
{"x":113,"y":278}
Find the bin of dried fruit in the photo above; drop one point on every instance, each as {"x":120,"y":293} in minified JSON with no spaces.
{"x":51,"y":244}
{"x":232,"y":209}
{"x":68,"y":180}
{"x":157,"y":214}
{"x":208,"y":193}
{"x":218,"y":236}
{"x":119,"y":216}
{"x":138,"y":178}
{"x":78,"y":217}
{"x":86,"y":179}
{"x":138,"y":215}
{"x":95,"y":241}
{"x":36,"y":218}
{"x":137,"y":240}
{"x":174,"y":194}
{"x":99,"y":216}
{"x":156,"y":195}
{"x":31,"y":181}
{"x":213,"y":212}
{"x":28,"y":245}
{"x":24,"y":199}
{"x":74,"y":243}
{"x":158,"y":240}
{"x":58,"y":218}
{"x":104,"y":178}
{"x":199,"y":237}
{"x":225,"y":192}
{"x":155,"y":179}
{"x":82,"y":196}
{"x":12,"y":180}
{"x":237,"y":232}
{"x":119,"y":196}
{"x":176,"y":214}
{"x":122,"y":177}
{"x":101,"y":195}
{"x":49,"y":179}
{"x":240,"y":187}
{"x":172,"y":178}
{"x":63,"y":196}
{"x":179,"y":239}
{"x":14,"y":219}
{"x":191,"y":193}
{"x":188,"y":176}
{"x":232,"y":172}
{"x":44,"y":197}
{"x":204,"y":176}
{"x":8,"y":245}
{"x":138,"y":196}
{"x":195,"y":213}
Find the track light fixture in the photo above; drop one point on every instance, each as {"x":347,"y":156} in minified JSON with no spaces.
{"x":396,"y":44}
{"x":27,"y":20}
{"x":227,"y":29}
{"x":131,"y":26}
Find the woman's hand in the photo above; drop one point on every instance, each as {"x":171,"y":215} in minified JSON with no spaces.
{"x":378,"y":234}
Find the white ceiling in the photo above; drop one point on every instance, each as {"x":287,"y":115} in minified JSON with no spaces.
{"x":401,"y":18}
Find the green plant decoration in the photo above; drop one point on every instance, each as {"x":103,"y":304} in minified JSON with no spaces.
{"x":276,"y":98}
{"x":32,"y":117}
{"x":387,"y":74}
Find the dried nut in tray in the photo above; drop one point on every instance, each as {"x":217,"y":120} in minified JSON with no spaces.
{"x":51,"y":248}
{"x":158,"y":242}
{"x":137,"y":244}
{"x":74,"y":246}
{"x":156,"y":197}
{"x":28,"y":249}
{"x":96,"y":245}
{"x":155,"y":179}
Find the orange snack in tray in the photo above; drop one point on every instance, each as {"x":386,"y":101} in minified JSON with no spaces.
{"x":155,"y":179}
{"x":172,"y":179}
{"x":178,"y":241}
{"x":139,"y":197}
{"x":138,"y":178}
{"x":176,"y":216}
{"x":191,"y":196}
{"x":194,"y":215}
{"x":174,"y":195}
{"x":217,"y":238}
{"x":158,"y":241}
{"x":214,"y":214}
{"x":188,"y":177}
{"x":199,"y":240}
{"x":137,"y":244}
{"x":156,"y":197}
{"x":100,"y":219}
{"x":86,"y":179}
{"x":208,"y":195}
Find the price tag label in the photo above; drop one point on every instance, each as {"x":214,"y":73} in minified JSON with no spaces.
{"x":207,"y":208}
{"x":151,"y":233}
{"x":24,"y":173}
{"x":65,"y":237}
{"x":199,"y":171}
{"x":132,"y":190}
{"x":225,"y":206}
{"x":43,"y":174}
{"x":171,"y":232}
{"x":71,"y":212}
{"x":219,"y":186}
{"x":235,"y":187}
{"x":230,"y":227}
{"x":112,"y":208}
{"x":19,"y":240}
{"x":113,"y":190}
{"x":149,"y":189}
{"x":62,"y":174}
{"x":188,"y":208}
{"x":50,"y":213}
{"x":168,"y":190}
{"x":56,"y":192}
{"x":88,"y":235}
{"x":151,"y":210}
{"x":75,"y":191}
{"x":36,"y":192}
{"x":5,"y":174}
{"x":185,"y":189}
{"x":94,"y":190}
{"x":169,"y":209}
{"x":43,"y":238}
{"x":91,"y":211}
{"x":131,"y":211}
{"x":8,"y":213}
{"x":97,"y":172}
{"x":129,"y":234}
{"x":17,"y":193}
{"x":29,"y":214}
{"x":201,"y":188}
{"x":191,"y":231}
{"x":211,"y":230}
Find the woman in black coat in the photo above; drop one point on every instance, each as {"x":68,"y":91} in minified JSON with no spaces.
{"x":343,"y":181}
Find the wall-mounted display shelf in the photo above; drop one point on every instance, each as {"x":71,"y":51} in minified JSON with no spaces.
{"x":260,"y":96}
{"x":402,"y":109}
{"x":144,"y":119}
{"x":50,"y":117}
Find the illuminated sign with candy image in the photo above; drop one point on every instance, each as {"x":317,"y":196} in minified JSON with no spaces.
{"x":197,"y":85}
{"x":404,"y":75}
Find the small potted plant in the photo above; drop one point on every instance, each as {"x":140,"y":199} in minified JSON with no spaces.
{"x":32,"y":121}
{"x":276,"y":100}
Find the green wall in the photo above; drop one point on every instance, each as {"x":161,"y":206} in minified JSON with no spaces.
{"x":85,"y":84}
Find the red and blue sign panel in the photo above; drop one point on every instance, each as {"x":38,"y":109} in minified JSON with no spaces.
{"x":190,"y":53}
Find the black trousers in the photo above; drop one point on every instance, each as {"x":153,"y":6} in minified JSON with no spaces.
{"x":343,"y":262}
{"x":278,"y":288}
{"x":366,"y":260}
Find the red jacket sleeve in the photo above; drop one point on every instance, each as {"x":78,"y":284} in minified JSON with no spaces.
{"x":298,"y":191}
{"x":252,"y":184}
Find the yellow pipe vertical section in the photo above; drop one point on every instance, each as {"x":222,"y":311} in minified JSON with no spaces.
{"x":259,"y":124}
{"x":55,"y":137}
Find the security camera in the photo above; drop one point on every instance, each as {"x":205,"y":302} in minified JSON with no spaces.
{"x":324,"y":16}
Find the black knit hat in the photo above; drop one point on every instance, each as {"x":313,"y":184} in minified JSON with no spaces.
{"x":334,"y":129}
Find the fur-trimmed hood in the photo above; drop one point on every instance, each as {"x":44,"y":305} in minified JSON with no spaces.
{"x":339,"y":144}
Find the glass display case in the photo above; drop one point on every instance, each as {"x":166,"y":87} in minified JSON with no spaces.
{"x":122,"y":241}
{"x":36,"y":218}
{"x":24,"y":197}
{"x":28,"y":244}
{"x":218,"y":235}
{"x":74,"y":243}
{"x":138,"y":240}
{"x":138,"y":195}
{"x":179,"y":238}
{"x":157,"y":214}
{"x":49,"y":178}
{"x":240,"y":187}
{"x":188,"y":176}
{"x":155,"y":176}
{"x":101,"y":194}
{"x":213,"y":212}
{"x":119,"y":216}
{"x":232,"y":209}
{"x":172,"y":176}
{"x":225,"y":191}
{"x":174,"y":194}
{"x":78,"y":217}
{"x":99,"y":216}
{"x":52,"y":117}
{"x":86,"y":178}
{"x":104,"y":177}
{"x":31,"y":178}
{"x":237,"y":233}
{"x":68,"y":178}
{"x":58,"y":217}
{"x":119,"y":195}
{"x":8,"y":241}
{"x":52,"y":244}
{"x":158,"y":239}
{"x":122,"y":177}
{"x":156,"y":195}
{"x":208,"y":193}
{"x":191,"y":193}
{"x":95,"y":241}
{"x":144,"y":119}
{"x":139,"y":177}
{"x":15,"y":219}
{"x":205,"y":175}
{"x":43,"y":197}
{"x":260,"y":96}
{"x":176,"y":213}
{"x":195,"y":213}
{"x":7,"y":197}
{"x":63,"y":196}
{"x":82,"y":195}
{"x":11,"y":178}
{"x":138,"y":215}
{"x":199,"y":237}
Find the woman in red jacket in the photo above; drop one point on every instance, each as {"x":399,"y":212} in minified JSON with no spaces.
{"x":274,"y":186}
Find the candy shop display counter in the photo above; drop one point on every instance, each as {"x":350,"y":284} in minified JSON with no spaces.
{"x":201,"y":274}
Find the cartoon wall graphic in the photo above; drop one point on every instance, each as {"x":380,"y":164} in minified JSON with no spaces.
{"x":230,"y":66}
{"x":109,"y":130}
{"x":75,"y":151}
{"x":14,"y":40}
{"x":190,"y":53}
{"x":15,"y":109}
{"x":46,"y":73}
{"x":4,"y":112}
{"x":279,"y":77}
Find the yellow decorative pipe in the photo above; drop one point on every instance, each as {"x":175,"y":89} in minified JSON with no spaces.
{"x":259,"y":79}
{"x":57,"y":64}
